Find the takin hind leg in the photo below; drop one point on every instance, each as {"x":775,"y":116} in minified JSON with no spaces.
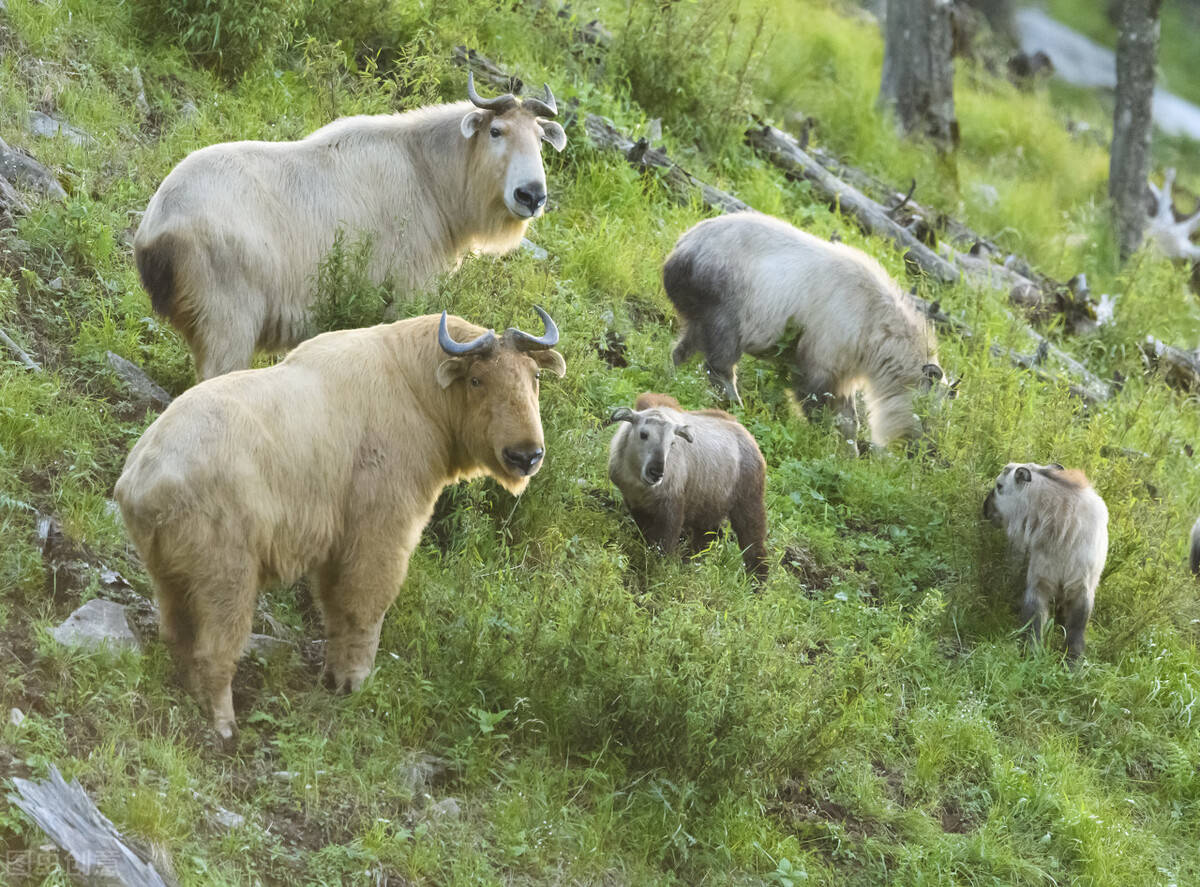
{"x":1074,"y":615}
{"x":1035,"y":608}
{"x":749,"y":520}
{"x":354,"y":595}
{"x":206,"y":622}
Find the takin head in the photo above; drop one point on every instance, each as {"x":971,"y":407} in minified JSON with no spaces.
{"x":1007,"y":498}
{"x":508,"y":133}
{"x":646,"y":446}
{"x":498,"y":378}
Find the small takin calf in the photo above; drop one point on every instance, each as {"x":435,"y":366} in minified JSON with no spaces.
{"x":738,"y":280}
{"x":329,"y":461}
{"x":231,"y":242}
{"x":681,"y":470}
{"x":1055,"y":518}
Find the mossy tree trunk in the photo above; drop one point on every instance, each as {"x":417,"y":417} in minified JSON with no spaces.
{"x":1137,"y":49}
{"x":918,"y":69}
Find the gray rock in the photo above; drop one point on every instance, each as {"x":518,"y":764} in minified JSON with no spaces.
{"x":228,"y":819}
{"x":96,"y":623}
{"x":48,"y":127}
{"x":16,"y":717}
{"x":23,"y":171}
{"x":143,"y":388}
{"x":265,"y":646}
{"x":188,"y":110}
{"x":56,"y":284}
{"x":447,"y":808}
{"x":534,"y":250}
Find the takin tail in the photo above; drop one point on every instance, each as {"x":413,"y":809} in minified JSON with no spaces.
{"x":156,"y":263}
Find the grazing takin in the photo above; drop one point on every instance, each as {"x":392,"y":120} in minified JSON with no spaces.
{"x":681,"y":470}
{"x":739,"y":281}
{"x":1055,"y":518}
{"x":330,"y":462}
{"x":229,"y":247}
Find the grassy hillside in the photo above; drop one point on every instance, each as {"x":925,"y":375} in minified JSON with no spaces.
{"x":600,"y":714}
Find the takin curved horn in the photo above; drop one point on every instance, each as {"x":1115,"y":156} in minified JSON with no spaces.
{"x":543,"y":107}
{"x":499,"y":104}
{"x":621,"y":414}
{"x":457,"y":349}
{"x":522,"y":341}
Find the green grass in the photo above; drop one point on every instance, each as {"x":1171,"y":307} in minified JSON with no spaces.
{"x":603,"y":715}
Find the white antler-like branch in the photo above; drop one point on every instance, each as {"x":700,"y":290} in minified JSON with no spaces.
{"x":1172,"y":238}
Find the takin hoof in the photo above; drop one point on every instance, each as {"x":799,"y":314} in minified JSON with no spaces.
{"x":225,"y":732}
{"x":346,"y":682}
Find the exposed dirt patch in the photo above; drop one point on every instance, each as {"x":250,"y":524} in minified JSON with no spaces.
{"x":796,"y":806}
{"x":642,"y":311}
{"x":801,"y":564}
{"x":611,"y":349}
{"x":893,"y":781}
{"x":955,"y":820}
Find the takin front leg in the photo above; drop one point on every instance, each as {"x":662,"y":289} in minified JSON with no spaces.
{"x":661,"y":526}
{"x":816,"y":395}
{"x":354,"y":594}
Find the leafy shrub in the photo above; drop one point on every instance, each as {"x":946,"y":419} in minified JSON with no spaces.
{"x":346,"y":296}
{"x":226,"y":35}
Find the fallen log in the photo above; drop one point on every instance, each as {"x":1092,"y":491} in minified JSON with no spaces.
{"x":99,"y":855}
{"x":486,"y":69}
{"x":786,"y":153}
{"x":142,"y":387}
{"x":1179,"y":368}
{"x":1085,"y":385}
{"x":948,"y":266}
{"x":604,"y":134}
{"x":19,"y":352}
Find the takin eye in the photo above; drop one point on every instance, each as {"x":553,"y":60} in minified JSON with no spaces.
{"x":475,"y":383}
{"x":495,"y":132}
{"x":538,"y":374}
{"x":645,"y":435}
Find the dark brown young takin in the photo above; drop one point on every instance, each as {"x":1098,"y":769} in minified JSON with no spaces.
{"x":689,"y":471}
{"x":331,"y":462}
{"x":1055,"y":518}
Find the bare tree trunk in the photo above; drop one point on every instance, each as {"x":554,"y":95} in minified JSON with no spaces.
{"x":918,"y":70}
{"x":1137,"y":49}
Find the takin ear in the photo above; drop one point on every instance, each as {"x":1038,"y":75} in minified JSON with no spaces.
{"x":1022,"y":475}
{"x":550,"y":360}
{"x":554,"y":134}
{"x":684,"y":431}
{"x":620,"y":414}
{"x":471,"y":123}
{"x":451,"y":370}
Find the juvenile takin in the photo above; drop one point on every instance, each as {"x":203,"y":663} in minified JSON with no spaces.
{"x":690,"y":471}
{"x":329,"y":462}
{"x":1054,"y":517}
{"x":231,"y":242}
{"x":740,"y":281}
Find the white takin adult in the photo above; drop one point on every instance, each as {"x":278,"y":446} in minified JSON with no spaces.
{"x":230,"y":244}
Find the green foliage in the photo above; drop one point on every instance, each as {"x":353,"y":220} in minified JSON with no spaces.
{"x":228,"y":36}
{"x":603,"y":714}
{"x":346,"y":296}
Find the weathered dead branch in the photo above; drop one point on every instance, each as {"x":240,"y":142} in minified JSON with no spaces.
{"x":99,"y":855}
{"x":832,"y":181}
{"x":1179,"y":368}
{"x":1085,"y":384}
{"x":486,"y":69}
{"x":142,"y":387}
{"x":19,"y":352}
{"x":604,"y":134}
